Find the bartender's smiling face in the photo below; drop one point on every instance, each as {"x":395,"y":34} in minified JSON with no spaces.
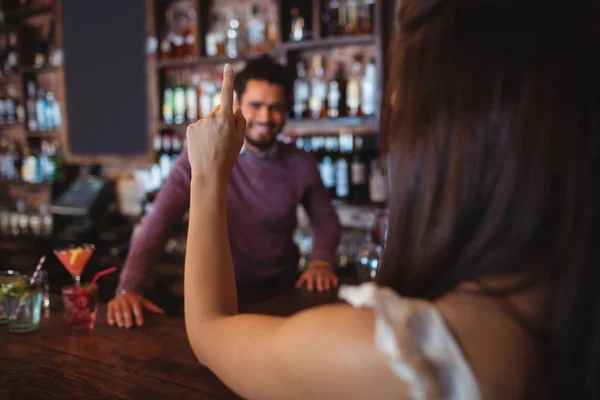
{"x":263,"y":106}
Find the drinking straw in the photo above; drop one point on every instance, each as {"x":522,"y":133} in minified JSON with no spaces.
{"x":37,"y":270}
{"x":101,"y":274}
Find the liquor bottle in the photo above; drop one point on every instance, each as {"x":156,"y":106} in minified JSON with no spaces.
{"x":179,"y":100}
{"x":177,"y":40}
{"x":43,"y":47}
{"x":9,"y":105}
{"x":166,"y":47}
{"x":331,"y":18}
{"x":232,"y":46}
{"x":256,"y":31}
{"x":343,"y":16}
{"x":155,"y":175}
{"x":352,"y":22}
{"x":377,"y":184}
{"x":40,"y":110}
{"x":49,"y":111}
{"x":354,"y":94}
{"x":327,"y":168}
{"x":318,"y":148}
{"x":12,"y":58}
{"x":208,"y":90}
{"x":190,"y":35}
{"x":3,"y":54}
{"x":272,"y":27}
{"x":366,"y":15}
{"x":165,"y":161}
{"x":216,"y":37}
{"x":2,"y":106}
{"x":297,"y":25}
{"x":192,"y":96}
{"x":32,"y":124}
{"x":216,"y":97}
{"x":342,"y":166}
{"x":168,"y":99}
{"x":336,"y":98}
{"x":359,"y":172}
{"x":368,"y":98}
{"x":318,"y":90}
{"x":176,"y":145}
{"x":301,"y":92}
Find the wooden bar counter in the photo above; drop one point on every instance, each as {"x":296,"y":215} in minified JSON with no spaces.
{"x":151,"y":362}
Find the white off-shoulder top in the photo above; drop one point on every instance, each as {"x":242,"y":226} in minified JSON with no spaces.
{"x":415,"y":342}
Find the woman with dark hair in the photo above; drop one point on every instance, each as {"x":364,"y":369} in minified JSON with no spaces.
{"x":490,"y":287}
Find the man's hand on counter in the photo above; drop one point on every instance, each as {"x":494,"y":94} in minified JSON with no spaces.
{"x":319,"y":275}
{"x":126,"y":307}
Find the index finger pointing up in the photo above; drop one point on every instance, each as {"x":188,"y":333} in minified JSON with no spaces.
{"x":227,"y":90}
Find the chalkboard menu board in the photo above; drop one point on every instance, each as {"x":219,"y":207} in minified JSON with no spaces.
{"x":106,"y":74}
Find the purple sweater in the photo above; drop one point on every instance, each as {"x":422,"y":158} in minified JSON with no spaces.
{"x":263,"y":195}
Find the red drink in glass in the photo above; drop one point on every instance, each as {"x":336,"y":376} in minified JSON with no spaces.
{"x":80,"y":306}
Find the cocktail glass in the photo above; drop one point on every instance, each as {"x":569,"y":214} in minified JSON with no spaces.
{"x":24,"y":304}
{"x":75,"y":258}
{"x":7,"y":278}
{"x":80,"y":305}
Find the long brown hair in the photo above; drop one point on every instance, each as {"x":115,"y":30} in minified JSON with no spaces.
{"x":491,"y":117}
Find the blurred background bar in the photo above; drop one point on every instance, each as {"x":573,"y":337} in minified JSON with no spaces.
{"x":95,"y":98}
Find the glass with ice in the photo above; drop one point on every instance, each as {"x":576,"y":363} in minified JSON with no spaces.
{"x":80,"y":303}
{"x":23,"y":303}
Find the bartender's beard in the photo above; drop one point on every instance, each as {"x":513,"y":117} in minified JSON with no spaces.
{"x":262,"y":145}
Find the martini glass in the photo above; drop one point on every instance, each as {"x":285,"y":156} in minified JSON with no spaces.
{"x":75,"y":258}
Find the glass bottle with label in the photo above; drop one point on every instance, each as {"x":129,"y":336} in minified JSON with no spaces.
{"x":32,"y":124}
{"x":297,"y":25}
{"x":359,"y":172}
{"x":336,"y":98}
{"x":318,"y":90}
{"x":191,"y":96}
{"x":369,"y":82}
{"x":301,"y":92}
{"x":342,"y":167}
{"x":366,"y":15}
{"x":179,"y":109}
{"x":165,"y":161}
{"x":257,"y":31}
{"x":233,"y":37}
{"x":272,"y":27}
{"x":331,"y":18}
{"x":168,"y":99}
{"x":190,"y":34}
{"x":327,"y":169}
{"x":176,"y":145}
{"x":354,"y":94}
{"x":12,"y":57}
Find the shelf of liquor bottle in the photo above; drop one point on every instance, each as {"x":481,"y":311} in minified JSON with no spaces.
{"x":333,"y":41}
{"x":355,"y":126}
{"x":28,"y":12}
{"x":217,"y":60}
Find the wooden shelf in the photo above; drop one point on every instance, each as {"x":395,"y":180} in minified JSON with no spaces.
{"x":355,"y":126}
{"x":28,"y":12}
{"x":12,"y":128}
{"x":30,"y":69}
{"x":351,"y":203}
{"x":334,"y":41}
{"x":209,"y":61}
{"x":10,"y":79}
{"x":179,"y":128}
{"x":42,"y":134}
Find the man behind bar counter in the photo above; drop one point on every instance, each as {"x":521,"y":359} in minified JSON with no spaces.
{"x":268,"y":182}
